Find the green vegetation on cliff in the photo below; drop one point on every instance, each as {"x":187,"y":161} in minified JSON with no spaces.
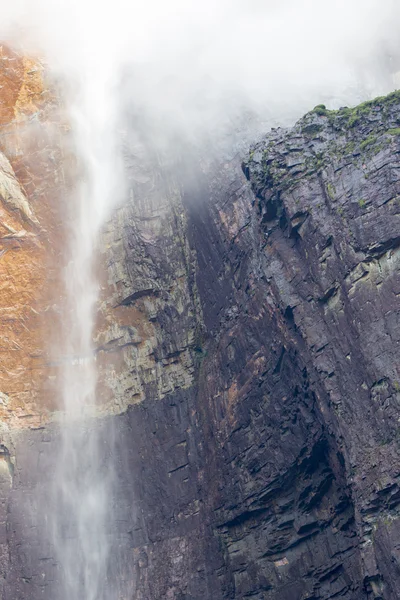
{"x":324,"y":142}
{"x":352,"y":116}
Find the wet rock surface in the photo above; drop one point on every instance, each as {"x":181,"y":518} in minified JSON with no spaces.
{"x":255,"y":351}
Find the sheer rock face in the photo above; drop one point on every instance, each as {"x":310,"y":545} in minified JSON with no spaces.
{"x":276,"y":474}
{"x":148,"y":328}
{"x":248,"y":337}
{"x":333,"y":186}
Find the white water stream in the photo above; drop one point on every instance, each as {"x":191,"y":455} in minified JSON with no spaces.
{"x":82,"y":484}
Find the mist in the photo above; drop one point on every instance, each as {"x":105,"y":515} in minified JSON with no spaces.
{"x":196,"y":62}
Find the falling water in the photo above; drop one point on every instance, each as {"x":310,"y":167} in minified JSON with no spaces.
{"x":82,"y":484}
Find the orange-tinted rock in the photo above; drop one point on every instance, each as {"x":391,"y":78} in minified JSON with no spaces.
{"x":21,"y":84}
{"x":29,"y":229}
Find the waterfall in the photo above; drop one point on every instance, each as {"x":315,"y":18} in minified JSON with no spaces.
{"x":83,"y":481}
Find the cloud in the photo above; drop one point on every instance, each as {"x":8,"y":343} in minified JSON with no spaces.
{"x":189,"y":70}
{"x":280,"y":57}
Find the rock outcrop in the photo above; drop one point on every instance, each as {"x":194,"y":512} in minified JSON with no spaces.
{"x":248,"y":341}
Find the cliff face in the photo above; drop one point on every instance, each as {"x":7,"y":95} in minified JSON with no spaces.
{"x":275,"y":474}
{"x":332,"y":185}
{"x":248,"y":341}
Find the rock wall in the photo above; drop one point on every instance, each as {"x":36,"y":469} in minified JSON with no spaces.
{"x":248,"y":344}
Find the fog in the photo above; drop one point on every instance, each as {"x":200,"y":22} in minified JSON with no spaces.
{"x":277,"y":57}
